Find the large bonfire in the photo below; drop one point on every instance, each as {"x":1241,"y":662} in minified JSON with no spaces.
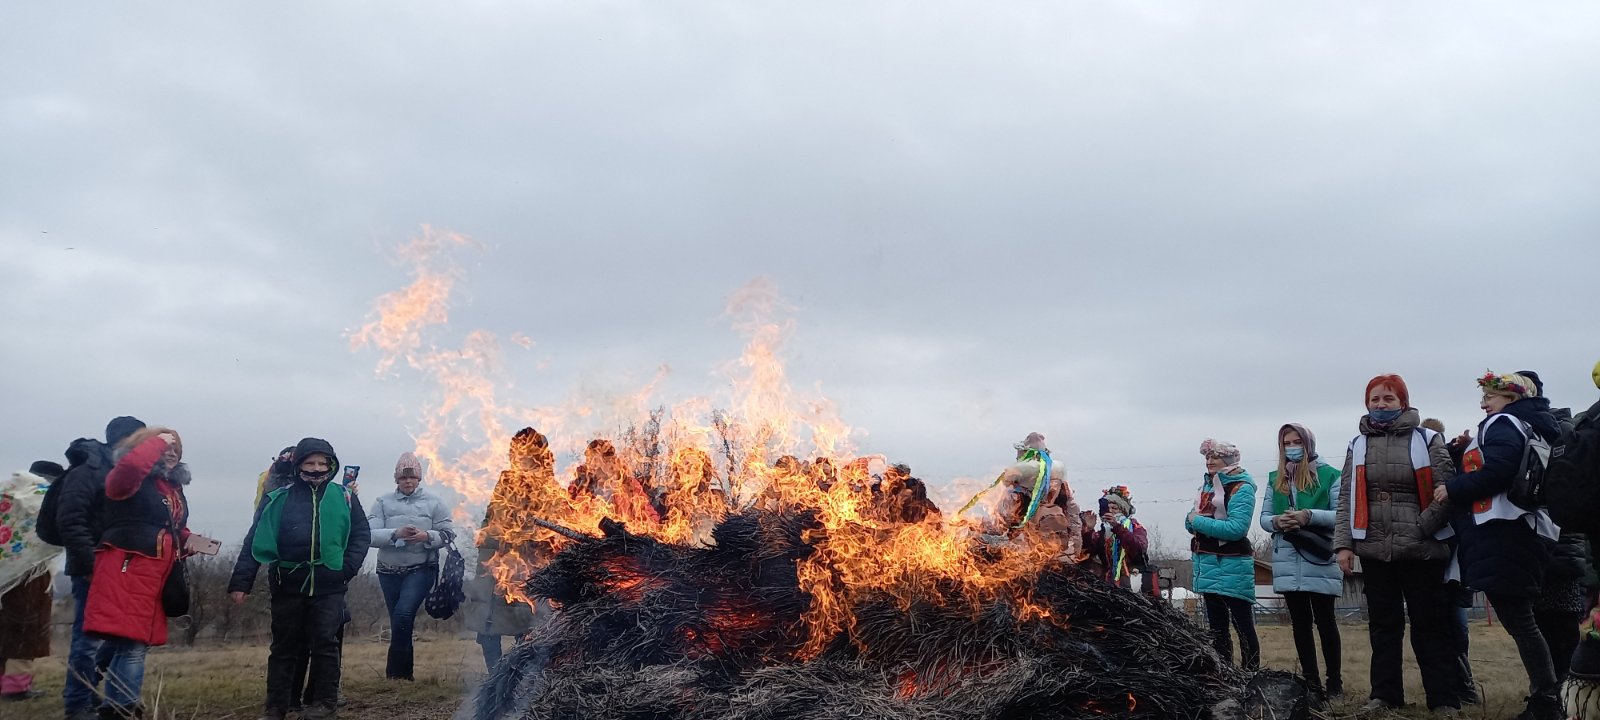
{"x":747,"y":561}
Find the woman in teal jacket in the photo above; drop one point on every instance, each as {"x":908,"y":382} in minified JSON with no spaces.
{"x":1224,"y":570}
{"x":1299,"y":507}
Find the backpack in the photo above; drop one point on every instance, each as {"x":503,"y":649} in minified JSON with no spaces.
{"x":447,"y":593}
{"x":46,"y":528}
{"x":1527,"y":489}
{"x":1572,"y":482}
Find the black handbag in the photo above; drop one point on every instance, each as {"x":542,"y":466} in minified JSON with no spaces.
{"x":1313,"y":544}
{"x":447,"y":592}
{"x":175,"y":593}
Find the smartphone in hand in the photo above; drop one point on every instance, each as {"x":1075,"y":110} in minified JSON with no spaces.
{"x":202,"y":545}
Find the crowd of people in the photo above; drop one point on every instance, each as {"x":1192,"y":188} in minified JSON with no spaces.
{"x":1425,"y":519}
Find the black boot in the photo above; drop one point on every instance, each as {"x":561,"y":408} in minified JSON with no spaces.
{"x":1543,"y":708}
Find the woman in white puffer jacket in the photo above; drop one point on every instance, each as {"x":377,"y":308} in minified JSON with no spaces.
{"x":409,"y":526}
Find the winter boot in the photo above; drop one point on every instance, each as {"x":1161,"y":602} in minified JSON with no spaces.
{"x":18,"y":686}
{"x":321,"y":711}
{"x":1543,"y":708}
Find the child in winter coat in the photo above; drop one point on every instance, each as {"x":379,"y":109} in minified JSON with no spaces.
{"x":312,"y":536}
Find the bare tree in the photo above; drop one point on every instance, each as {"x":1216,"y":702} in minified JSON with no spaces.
{"x":208,"y":592}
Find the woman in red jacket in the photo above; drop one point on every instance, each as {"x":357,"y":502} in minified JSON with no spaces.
{"x":146,"y":526}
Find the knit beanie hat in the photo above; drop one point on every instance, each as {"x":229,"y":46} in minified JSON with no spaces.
{"x":408,"y":466}
{"x":1538,"y":385}
{"x":121,"y":427}
{"x":1223,"y":451}
{"x":1121,"y":497}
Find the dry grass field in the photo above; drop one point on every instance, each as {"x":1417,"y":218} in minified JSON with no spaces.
{"x":225,"y":682}
{"x":1495,"y":666}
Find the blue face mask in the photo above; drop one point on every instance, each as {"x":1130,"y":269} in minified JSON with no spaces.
{"x":1384,"y":416}
{"x":1294,"y":454}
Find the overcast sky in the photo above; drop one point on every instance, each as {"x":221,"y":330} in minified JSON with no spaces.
{"x":1129,"y":226}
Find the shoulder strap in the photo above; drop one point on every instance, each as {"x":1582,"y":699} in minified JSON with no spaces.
{"x":1516,"y":422}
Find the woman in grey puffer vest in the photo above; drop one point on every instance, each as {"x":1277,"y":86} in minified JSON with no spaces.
{"x":1388,"y":517}
{"x":409,"y":526}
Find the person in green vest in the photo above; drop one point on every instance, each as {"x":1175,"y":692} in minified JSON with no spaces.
{"x":313,"y":536}
{"x":1299,"y":508}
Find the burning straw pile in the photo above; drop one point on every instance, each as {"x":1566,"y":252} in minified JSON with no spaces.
{"x":655,"y":630}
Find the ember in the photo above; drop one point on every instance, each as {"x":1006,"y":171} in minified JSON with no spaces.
{"x":718,"y":632}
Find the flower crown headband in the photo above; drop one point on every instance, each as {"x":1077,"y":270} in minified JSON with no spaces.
{"x":1122,"y":491}
{"x":1499,"y":384}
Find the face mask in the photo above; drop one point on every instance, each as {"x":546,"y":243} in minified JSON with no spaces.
{"x":1294,"y":454}
{"x":317,"y":477}
{"x":1384,"y":416}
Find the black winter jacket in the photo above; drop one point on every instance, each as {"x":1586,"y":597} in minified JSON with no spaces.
{"x":80,"y":508}
{"x":297,"y":535}
{"x":1504,"y":557}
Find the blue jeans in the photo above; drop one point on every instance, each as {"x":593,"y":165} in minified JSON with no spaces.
{"x":83,"y":669}
{"x":124,"y":671}
{"x":403,"y":594}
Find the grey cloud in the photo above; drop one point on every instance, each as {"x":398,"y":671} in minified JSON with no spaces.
{"x":1128,"y":227}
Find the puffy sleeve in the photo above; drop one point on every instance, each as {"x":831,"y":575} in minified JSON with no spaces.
{"x":355,"y":551}
{"x":130,"y":472}
{"x":441,"y":525}
{"x":1267,"y":517}
{"x":1240,"y":507}
{"x":1341,"y":518}
{"x":1444,"y":470}
{"x":378,"y":524}
{"x":1502,"y":447}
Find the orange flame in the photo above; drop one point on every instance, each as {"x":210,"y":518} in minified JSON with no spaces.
{"x":693,"y":461}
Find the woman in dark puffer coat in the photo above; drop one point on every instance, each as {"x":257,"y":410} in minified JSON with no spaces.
{"x":1504,"y":547}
